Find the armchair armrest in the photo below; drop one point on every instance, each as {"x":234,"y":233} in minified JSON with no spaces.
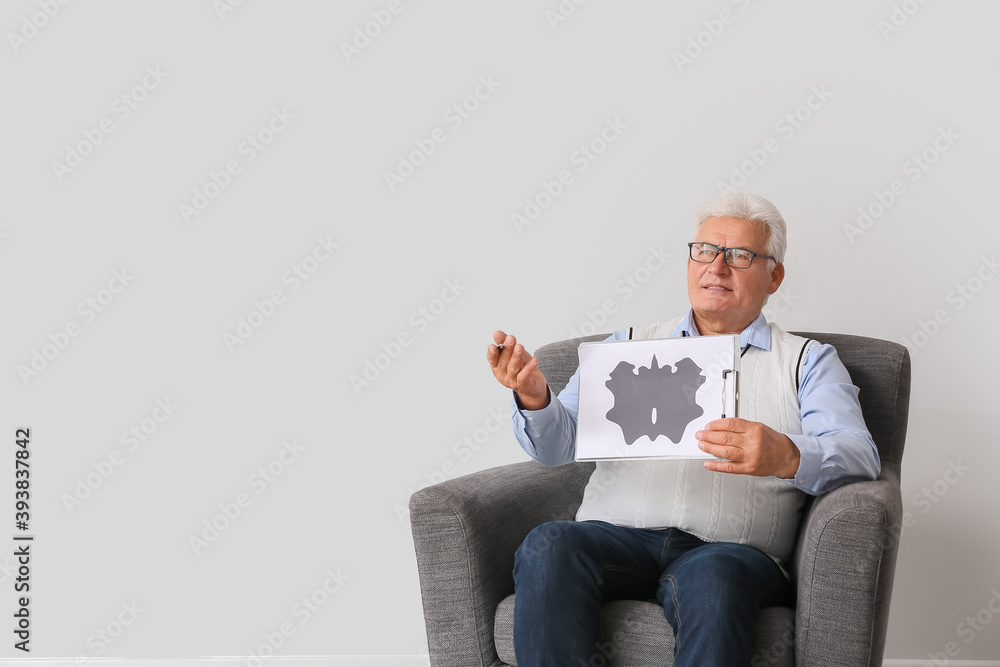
{"x":465,"y":533}
{"x":845,"y":560}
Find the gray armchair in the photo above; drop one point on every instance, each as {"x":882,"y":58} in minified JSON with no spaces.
{"x":466,"y":530}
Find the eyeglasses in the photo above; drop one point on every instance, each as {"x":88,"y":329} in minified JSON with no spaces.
{"x":737,"y":258}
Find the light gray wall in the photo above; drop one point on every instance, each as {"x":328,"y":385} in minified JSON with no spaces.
{"x":333,"y":519}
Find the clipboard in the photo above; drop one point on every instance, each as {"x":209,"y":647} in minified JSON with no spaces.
{"x":645,"y":399}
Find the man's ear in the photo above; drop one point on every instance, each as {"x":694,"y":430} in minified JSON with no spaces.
{"x":777,"y":275}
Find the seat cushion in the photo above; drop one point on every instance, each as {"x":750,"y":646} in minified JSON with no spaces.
{"x":635,"y":634}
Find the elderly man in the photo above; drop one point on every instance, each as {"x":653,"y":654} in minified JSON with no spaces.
{"x":708,"y":540}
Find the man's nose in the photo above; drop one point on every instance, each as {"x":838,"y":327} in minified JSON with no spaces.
{"x":718,"y":265}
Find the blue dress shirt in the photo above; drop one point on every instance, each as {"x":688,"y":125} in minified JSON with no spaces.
{"x":835,"y":447}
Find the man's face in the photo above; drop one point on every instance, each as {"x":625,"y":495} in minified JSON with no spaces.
{"x":724,"y":299}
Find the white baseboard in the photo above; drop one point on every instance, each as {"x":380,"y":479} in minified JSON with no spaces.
{"x":927,"y":662}
{"x":233,"y":661}
{"x":347,"y":661}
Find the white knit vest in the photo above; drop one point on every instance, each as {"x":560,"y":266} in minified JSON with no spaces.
{"x":763,"y":512}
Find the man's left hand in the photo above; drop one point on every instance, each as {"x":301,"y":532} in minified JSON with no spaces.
{"x":750,"y":448}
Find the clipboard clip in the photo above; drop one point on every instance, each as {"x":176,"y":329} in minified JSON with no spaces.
{"x":736,"y":378}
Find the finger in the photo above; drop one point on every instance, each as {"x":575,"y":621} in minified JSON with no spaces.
{"x":507,"y":345}
{"x":495,"y":349}
{"x":507,"y":342}
{"x":725,"y":424}
{"x":734,"y":454}
{"x":725,"y":466}
{"x":516,"y":360}
{"x":527,"y":370}
{"x":492,"y":355}
{"x":716,"y":437}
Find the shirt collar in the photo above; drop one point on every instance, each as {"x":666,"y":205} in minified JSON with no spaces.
{"x":757,"y":334}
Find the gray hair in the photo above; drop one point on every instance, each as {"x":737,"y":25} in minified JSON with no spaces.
{"x":754,"y":209}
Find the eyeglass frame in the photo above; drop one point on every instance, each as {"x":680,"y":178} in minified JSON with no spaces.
{"x":725,"y":258}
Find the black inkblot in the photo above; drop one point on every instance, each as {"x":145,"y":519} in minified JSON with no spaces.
{"x":670,"y":391}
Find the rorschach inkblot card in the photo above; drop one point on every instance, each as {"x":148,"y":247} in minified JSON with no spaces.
{"x":645,"y":399}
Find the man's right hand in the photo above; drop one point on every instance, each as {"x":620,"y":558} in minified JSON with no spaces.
{"x":515,"y":369}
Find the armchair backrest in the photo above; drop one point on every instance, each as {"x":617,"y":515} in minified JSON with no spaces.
{"x":879,"y":368}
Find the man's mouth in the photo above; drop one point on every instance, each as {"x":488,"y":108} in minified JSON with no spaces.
{"x":717,"y":288}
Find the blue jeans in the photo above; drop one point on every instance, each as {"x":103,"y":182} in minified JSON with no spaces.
{"x":710,"y":592}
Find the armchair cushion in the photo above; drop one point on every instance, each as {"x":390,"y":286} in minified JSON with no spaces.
{"x":635,"y":634}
